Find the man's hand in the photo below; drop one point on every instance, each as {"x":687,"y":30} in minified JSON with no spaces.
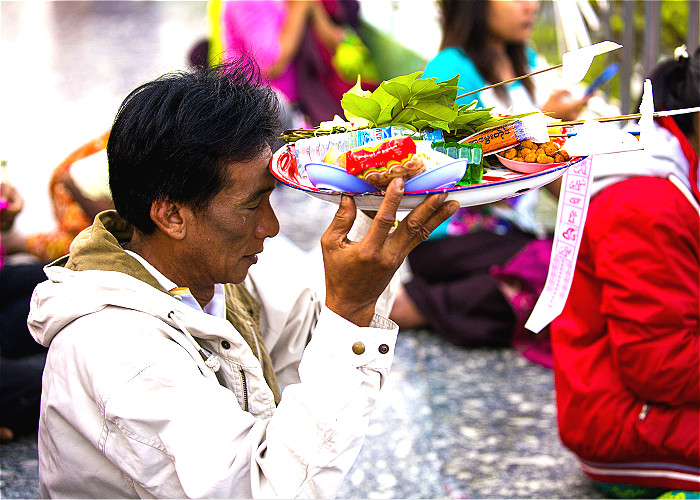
{"x":358,"y":272}
{"x":11,"y":204}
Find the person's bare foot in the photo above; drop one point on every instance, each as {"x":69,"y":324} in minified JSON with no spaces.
{"x":405,"y":313}
{"x":6,"y":435}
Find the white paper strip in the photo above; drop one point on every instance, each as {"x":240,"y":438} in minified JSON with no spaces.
{"x":571,"y":216}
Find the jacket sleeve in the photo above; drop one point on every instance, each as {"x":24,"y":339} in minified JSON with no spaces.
{"x":177,"y":433}
{"x":317,"y":430}
{"x":648,"y":266}
{"x":290,"y":286}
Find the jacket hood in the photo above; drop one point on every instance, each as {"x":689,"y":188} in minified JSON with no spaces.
{"x":98,"y":274}
{"x":666,"y":152}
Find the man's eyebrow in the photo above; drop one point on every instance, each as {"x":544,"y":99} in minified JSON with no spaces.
{"x":257,"y":194}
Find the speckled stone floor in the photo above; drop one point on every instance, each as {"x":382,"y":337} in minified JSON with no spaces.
{"x":450,"y":422}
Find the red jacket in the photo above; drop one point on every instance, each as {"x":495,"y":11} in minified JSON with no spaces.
{"x":627,"y":345}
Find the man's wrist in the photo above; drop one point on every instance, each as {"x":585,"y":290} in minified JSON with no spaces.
{"x":358,"y":314}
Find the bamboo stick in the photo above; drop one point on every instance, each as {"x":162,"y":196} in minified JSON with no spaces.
{"x":509,"y":81}
{"x":632,"y":116}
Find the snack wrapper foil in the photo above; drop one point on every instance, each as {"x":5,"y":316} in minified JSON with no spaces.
{"x":319,"y":148}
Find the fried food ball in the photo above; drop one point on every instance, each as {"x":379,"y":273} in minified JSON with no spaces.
{"x":550,"y":148}
{"x":530,"y":152}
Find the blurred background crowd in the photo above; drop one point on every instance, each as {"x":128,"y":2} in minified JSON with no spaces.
{"x":67,"y":65}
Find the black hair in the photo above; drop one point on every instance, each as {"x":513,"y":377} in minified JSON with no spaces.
{"x":676,"y":85}
{"x":173,"y":137}
{"x":464,"y":25}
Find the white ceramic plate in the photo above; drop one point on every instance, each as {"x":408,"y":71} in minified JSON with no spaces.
{"x":498,"y":183}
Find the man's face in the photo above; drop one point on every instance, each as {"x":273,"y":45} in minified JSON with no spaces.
{"x":223,"y":240}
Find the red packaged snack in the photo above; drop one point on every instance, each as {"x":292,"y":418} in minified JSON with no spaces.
{"x":379,"y":163}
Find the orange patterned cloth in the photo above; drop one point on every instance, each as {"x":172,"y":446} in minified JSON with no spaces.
{"x":70,"y":217}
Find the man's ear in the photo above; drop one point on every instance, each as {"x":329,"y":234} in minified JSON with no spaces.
{"x":170,"y":218}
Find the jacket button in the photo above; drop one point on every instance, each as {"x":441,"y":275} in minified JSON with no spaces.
{"x":358,"y":348}
{"x":225,"y":344}
{"x":383,"y":349}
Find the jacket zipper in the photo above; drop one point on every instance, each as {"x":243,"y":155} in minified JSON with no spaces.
{"x":244,"y":383}
{"x":643,"y":414}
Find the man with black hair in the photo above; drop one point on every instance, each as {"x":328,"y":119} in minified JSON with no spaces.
{"x":166,"y":355}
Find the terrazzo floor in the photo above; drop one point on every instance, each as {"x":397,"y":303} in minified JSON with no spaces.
{"x":450,"y":422}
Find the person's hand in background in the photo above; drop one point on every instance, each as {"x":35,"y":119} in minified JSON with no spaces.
{"x":561,"y":104}
{"x":11,"y":203}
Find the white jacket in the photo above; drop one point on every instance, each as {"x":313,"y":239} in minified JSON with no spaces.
{"x":130,"y":409}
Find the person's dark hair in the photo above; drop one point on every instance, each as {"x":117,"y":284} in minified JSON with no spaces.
{"x":173,"y":137}
{"x":676,"y":85}
{"x":464,"y":25}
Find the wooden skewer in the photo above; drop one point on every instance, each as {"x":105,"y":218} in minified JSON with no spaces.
{"x":632,"y":116}
{"x":508,"y":81}
{"x":603,"y":119}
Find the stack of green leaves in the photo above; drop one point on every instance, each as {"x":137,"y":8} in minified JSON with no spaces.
{"x":418,"y":104}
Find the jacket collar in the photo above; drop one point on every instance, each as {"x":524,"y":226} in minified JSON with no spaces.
{"x":98,"y":248}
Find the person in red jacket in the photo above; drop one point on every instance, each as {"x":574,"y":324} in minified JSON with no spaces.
{"x":627,"y":345}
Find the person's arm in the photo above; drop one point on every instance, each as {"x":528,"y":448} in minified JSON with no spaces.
{"x":291,"y":36}
{"x":288,"y":283}
{"x":648,"y":268}
{"x":271,"y":31}
{"x":325,"y":28}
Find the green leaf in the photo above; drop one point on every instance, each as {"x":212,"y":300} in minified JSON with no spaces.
{"x":406,"y":115}
{"x":364,"y":107}
{"x":473,"y":116}
{"x":387,"y":103}
{"x":434,"y":111}
{"x":406,"y":79}
{"x":442,"y":125}
{"x":425,"y":86}
{"x":421,"y":124}
{"x":453,"y":85}
{"x":397,"y":90}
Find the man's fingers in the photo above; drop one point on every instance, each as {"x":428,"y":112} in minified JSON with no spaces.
{"x":342,"y":221}
{"x":386,"y":215}
{"x":444,"y":212}
{"x":423,"y":220}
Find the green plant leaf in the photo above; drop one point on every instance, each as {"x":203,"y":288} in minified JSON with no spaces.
{"x":433,"y":111}
{"x":387,"y":103}
{"x":425,"y":86}
{"x":452,"y":85}
{"x":406,"y":115}
{"x":406,"y":79}
{"x":364,"y":107}
{"x":442,"y":125}
{"x":400,"y":91}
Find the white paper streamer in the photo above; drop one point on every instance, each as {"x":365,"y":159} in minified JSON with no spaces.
{"x":571,"y":216}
